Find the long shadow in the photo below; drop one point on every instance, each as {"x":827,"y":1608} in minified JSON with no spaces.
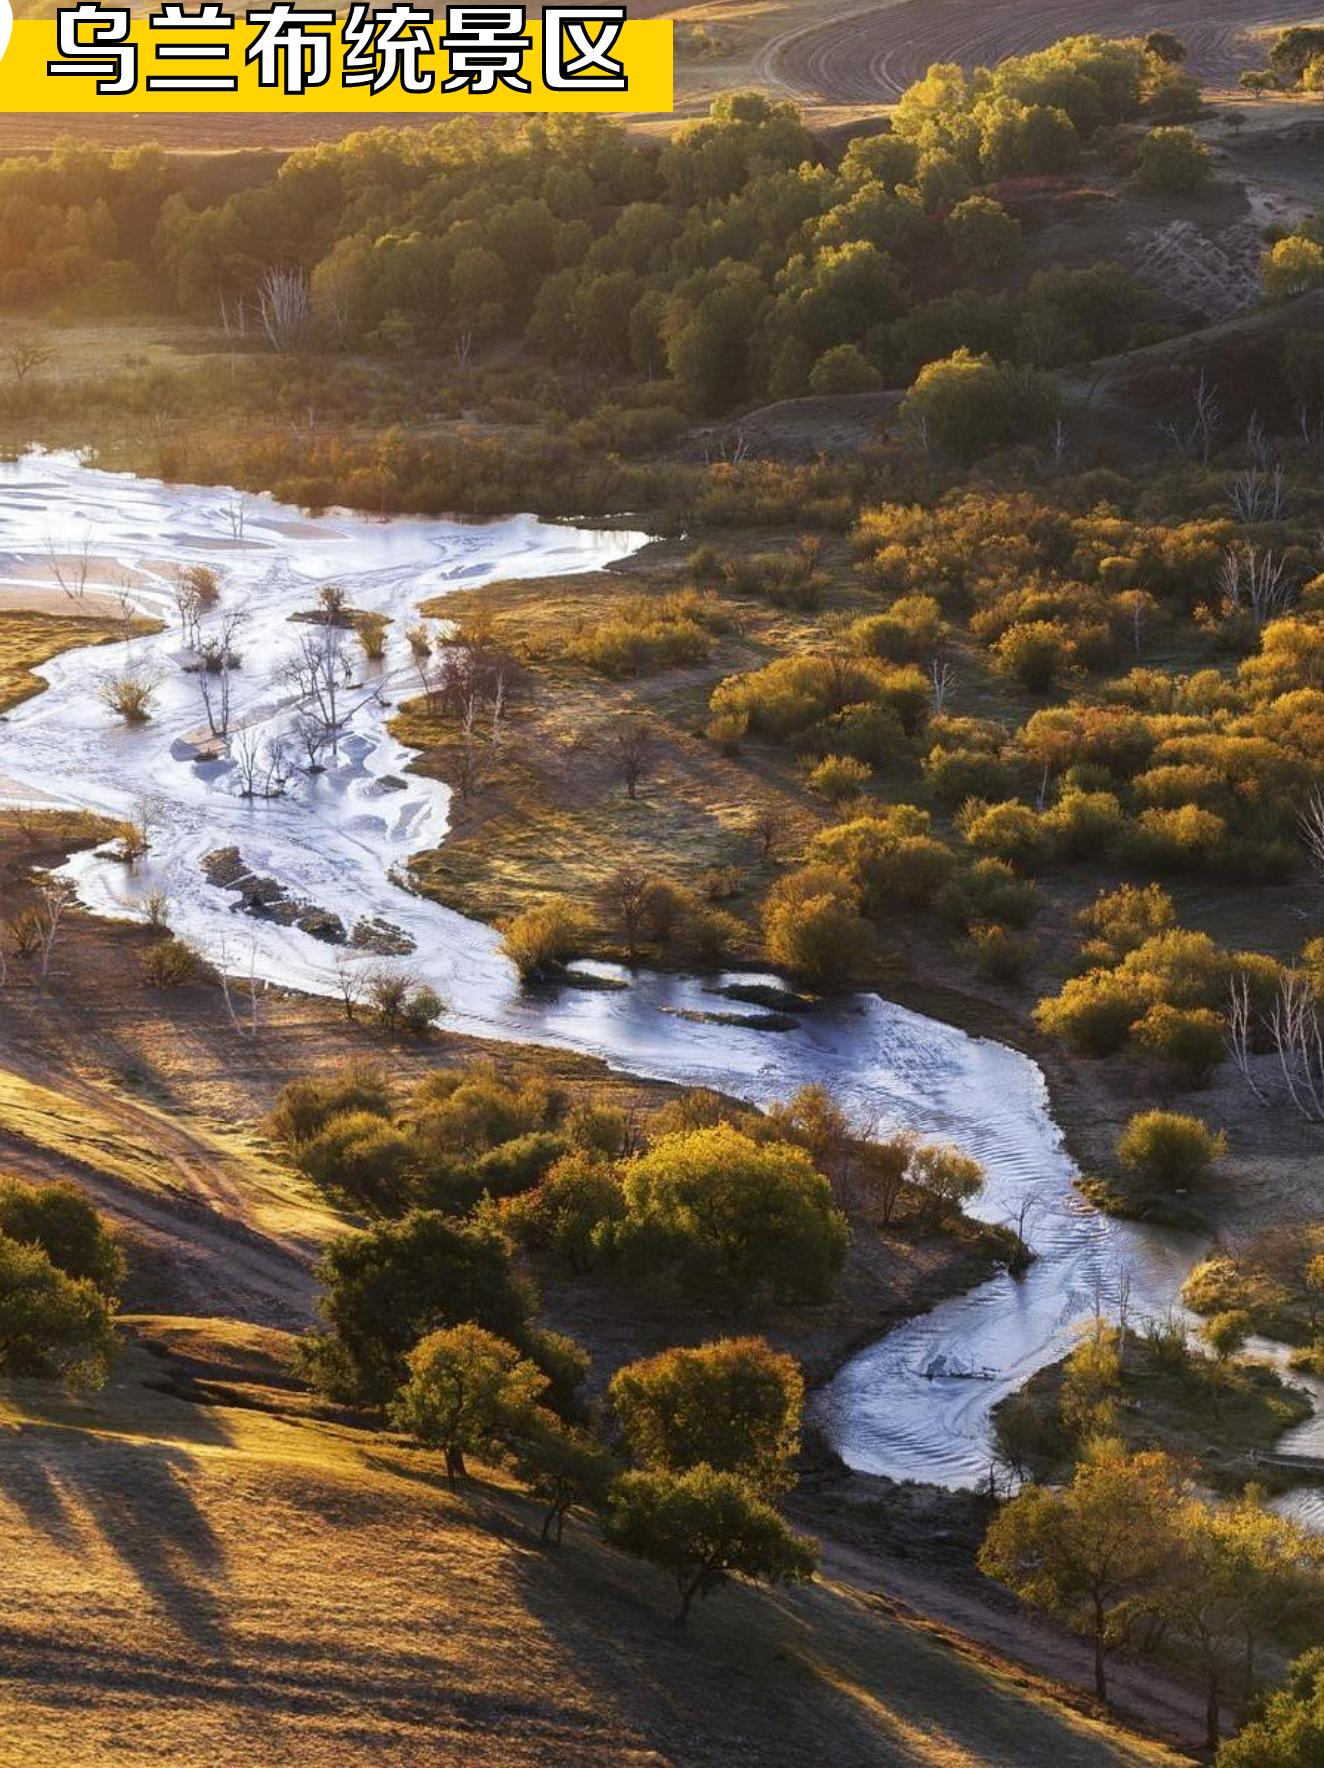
{"x":135,"y":1495}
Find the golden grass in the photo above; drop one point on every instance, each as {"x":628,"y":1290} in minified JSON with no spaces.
{"x":556,"y":819}
{"x":29,"y":639}
{"x":206,"y":1586}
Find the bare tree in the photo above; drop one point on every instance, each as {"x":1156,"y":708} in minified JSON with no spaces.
{"x":1241,"y":1036}
{"x":942,"y":678}
{"x":1198,"y":432}
{"x":770,"y":827}
{"x":1258,"y":494}
{"x":218,"y":659}
{"x":318,"y":674}
{"x":72,"y":567}
{"x":55,"y":897}
{"x":237,"y":514}
{"x":1255,"y":581}
{"x":625,"y":896}
{"x":352,"y":982}
{"x":1299,"y":1041}
{"x":310,"y":735}
{"x":262,"y":763}
{"x":284,"y":308}
{"x":480,"y":748}
{"x":244,"y":1014}
{"x":635,"y":747}
{"x":1312,"y":829}
{"x":26,"y":356}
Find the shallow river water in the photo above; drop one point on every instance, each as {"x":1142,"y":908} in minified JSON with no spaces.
{"x":916,"y":1404}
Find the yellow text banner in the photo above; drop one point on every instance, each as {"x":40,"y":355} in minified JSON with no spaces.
{"x":110,"y":63}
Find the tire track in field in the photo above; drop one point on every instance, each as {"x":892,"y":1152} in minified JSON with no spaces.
{"x":871,"y":57}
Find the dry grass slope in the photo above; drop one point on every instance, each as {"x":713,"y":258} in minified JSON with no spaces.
{"x":192,"y":1586}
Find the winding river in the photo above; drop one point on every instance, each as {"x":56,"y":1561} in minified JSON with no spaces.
{"x":915,"y":1405}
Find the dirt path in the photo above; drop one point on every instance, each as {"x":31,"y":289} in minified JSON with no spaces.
{"x":872,"y":54}
{"x":200,"y":1233}
{"x":1142,"y":1694}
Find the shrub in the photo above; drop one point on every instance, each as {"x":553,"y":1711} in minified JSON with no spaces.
{"x":812,"y":927}
{"x":1011,"y":831}
{"x":839,"y":777}
{"x":1122,"y":920}
{"x":53,"y":1327}
{"x":703,"y":1527}
{"x":733,"y":1405}
{"x":173,"y":963}
{"x":1191,"y":1041}
{"x":735,"y":1217}
{"x":1168,"y":1148}
{"x":540,"y":941}
{"x":1036,"y":653}
{"x":1291,"y":266}
{"x":361,"y":1160}
{"x":949,"y":1177}
{"x":889,"y":858}
{"x":1000,"y":955}
{"x":990,"y":892}
{"x":911,"y":629}
{"x":1093,"y":1014}
{"x":1085,"y":825}
{"x":953,"y":775}
{"x":303,"y":1107}
{"x":1178,"y":840}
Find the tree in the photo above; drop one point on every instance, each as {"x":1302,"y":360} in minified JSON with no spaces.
{"x":635,"y":747}
{"x":704,"y":1527}
{"x":468,"y":1393}
{"x":389,"y":1286}
{"x":734,"y":1405}
{"x":61,"y":1221}
{"x":983,"y":235}
{"x":1238,"y":1573}
{"x":363,"y":1161}
{"x":1165,"y":47}
{"x":1083,"y":1552}
{"x":1169,"y":1148}
{"x":52,"y":1327}
{"x":1289,"y":1731}
{"x":1172,"y":160}
{"x":735,"y":1216}
{"x":967,"y":404}
{"x":563,"y":1466}
{"x":26,"y":356}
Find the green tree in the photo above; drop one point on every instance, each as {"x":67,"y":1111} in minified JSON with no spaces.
{"x":468,"y":1393}
{"x":705,"y":1527}
{"x":968,"y":404}
{"x":1085,"y":1551}
{"x":1173,"y":160}
{"x":391,"y":1285}
{"x":564,"y":1466}
{"x":734,"y":1405}
{"x":813,"y":928}
{"x":52,"y":1327}
{"x":1289,"y":1730}
{"x":983,"y":235}
{"x":61,"y":1221}
{"x":736,"y":1217}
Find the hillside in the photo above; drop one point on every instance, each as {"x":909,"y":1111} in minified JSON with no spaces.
{"x":284,"y":1591}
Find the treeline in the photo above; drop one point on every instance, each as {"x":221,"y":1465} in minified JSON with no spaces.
{"x":732,"y":264}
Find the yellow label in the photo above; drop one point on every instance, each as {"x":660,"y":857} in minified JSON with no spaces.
{"x":461,"y":59}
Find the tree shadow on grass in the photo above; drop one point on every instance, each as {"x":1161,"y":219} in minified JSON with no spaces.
{"x":135,"y":1496}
